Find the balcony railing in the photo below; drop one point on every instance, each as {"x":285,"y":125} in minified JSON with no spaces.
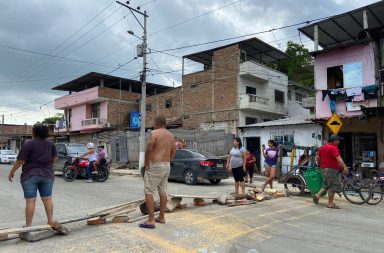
{"x":93,"y":122}
{"x":257,"y":99}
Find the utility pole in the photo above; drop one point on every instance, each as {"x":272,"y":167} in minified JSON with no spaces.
{"x":143,"y":77}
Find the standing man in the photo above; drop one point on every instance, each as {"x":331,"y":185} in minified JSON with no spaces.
{"x":330,"y":161}
{"x":160,"y":152}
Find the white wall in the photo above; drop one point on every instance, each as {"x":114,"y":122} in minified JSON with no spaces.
{"x":303,"y":136}
{"x":296,"y":109}
{"x":264,"y":78}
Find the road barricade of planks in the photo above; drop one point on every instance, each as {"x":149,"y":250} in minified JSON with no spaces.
{"x":124,"y":213}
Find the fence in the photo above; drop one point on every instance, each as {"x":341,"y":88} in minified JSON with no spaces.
{"x":124,"y":146}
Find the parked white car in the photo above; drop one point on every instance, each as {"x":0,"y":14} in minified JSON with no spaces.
{"x":7,"y":156}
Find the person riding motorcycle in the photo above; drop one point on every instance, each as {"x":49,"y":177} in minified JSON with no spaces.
{"x":92,"y":157}
{"x":101,"y":156}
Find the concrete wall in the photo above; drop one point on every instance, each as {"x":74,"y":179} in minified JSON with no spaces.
{"x":304,"y":135}
{"x":359,"y":53}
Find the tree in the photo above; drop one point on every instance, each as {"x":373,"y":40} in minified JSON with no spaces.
{"x":299,"y":56}
{"x":52,"y":120}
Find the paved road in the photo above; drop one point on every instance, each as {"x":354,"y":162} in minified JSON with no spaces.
{"x":281,"y":225}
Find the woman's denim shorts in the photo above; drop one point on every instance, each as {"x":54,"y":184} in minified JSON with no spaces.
{"x":34,"y":183}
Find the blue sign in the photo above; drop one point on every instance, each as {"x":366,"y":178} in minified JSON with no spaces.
{"x":134,"y":120}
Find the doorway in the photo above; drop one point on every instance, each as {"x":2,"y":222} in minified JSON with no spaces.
{"x":253,"y":145}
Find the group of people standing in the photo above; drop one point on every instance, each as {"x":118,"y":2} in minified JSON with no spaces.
{"x":242,"y":163}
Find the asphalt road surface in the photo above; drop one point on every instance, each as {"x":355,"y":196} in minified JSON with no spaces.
{"x":292,"y":224}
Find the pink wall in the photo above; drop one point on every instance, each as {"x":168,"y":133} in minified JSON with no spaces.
{"x":103,"y":110}
{"x":78,"y":114}
{"x":359,"y":53}
{"x":77,"y":98}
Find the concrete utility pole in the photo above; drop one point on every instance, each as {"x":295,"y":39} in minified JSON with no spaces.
{"x":143,"y":77}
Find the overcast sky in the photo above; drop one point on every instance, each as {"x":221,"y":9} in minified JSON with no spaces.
{"x":92,"y":36}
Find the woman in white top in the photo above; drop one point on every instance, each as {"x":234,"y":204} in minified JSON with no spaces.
{"x":236,"y":163}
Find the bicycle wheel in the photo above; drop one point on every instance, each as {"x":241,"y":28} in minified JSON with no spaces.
{"x":376,"y":194}
{"x":353,"y":192}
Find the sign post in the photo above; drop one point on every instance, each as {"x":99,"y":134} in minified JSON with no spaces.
{"x":334,"y":123}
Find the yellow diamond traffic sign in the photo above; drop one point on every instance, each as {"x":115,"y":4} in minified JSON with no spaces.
{"x":334,"y":123}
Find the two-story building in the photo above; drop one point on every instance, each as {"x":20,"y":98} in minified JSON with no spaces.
{"x":228,"y":87}
{"x":349,"y":79}
{"x":98,"y":102}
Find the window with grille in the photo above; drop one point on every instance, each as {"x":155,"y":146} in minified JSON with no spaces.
{"x":285,"y":138}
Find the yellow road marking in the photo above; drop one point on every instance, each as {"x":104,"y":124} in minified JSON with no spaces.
{"x":160,"y":241}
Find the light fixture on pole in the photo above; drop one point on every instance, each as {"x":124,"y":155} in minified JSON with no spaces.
{"x":141,"y":52}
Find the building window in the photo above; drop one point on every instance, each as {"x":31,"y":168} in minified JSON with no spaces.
{"x":335,"y":77}
{"x":95,"y":110}
{"x":284,"y":138}
{"x":250,"y":90}
{"x":279,"y":96}
{"x":243,"y":56}
{"x":289,"y":95}
{"x":299,"y":97}
{"x":250,"y":121}
{"x":148,"y":107}
{"x":168,"y":103}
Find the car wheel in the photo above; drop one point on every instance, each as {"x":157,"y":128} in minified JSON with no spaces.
{"x":215,"y":181}
{"x":189,"y":177}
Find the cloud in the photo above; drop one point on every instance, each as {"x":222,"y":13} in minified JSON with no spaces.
{"x":41,"y":26}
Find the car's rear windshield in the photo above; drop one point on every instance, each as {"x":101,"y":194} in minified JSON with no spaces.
{"x":7,"y":152}
{"x":198,"y":153}
{"x":77,"y":149}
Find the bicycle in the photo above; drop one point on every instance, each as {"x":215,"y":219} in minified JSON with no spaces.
{"x":356,"y":190}
{"x":377,"y":188}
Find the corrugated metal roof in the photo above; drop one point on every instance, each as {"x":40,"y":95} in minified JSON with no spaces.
{"x":344,"y":29}
{"x":298,"y":120}
{"x":256,"y":49}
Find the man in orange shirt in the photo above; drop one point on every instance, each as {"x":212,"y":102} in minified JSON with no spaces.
{"x":330,"y":161}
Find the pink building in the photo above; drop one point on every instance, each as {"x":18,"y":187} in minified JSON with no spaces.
{"x":349,"y":80}
{"x":98,"y":102}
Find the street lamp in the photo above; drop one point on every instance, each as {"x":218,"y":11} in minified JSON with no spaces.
{"x":143,"y":101}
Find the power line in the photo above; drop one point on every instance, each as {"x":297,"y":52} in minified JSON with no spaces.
{"x":32,"y":66}
{"x":85,"y":43}
{"x":241,"y":36}
{"x":185,"y":21}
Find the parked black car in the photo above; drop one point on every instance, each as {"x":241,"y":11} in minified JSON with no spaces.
{"x":66,"y":152}
{"x":192,"y":166}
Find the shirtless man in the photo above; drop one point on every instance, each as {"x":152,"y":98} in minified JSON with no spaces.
{"x":160,"y":152}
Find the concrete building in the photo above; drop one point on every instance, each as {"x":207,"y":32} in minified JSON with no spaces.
{"x":349,"y":72}
{"x":98,"y":102}
{"x":298,"y":131}
{"x":228,"y":87}
{"x":299,"y":100}
{"x":13,"y":136}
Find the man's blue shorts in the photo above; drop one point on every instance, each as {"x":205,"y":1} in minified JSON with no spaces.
{"x":34,"y":183}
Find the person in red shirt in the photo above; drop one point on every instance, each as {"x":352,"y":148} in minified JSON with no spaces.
{"x":330,"y":161}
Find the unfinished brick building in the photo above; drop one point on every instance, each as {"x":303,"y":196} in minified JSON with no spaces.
{"x":232,"y":87}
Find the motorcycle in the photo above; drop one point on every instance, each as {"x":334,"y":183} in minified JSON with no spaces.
{"x":77,"y":168}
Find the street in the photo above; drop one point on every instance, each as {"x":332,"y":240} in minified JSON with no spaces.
{"x":284,"y":224}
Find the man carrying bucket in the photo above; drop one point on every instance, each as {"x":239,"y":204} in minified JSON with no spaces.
{"x":330,"y":161}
